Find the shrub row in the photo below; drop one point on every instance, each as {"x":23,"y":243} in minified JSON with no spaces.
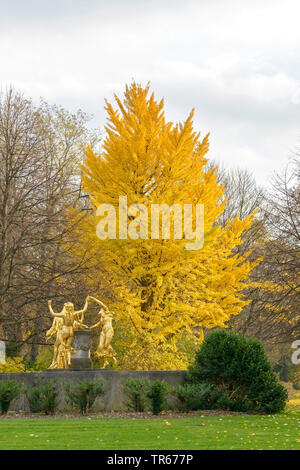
{"x":140,"y":395}
{"x":44,"y":398}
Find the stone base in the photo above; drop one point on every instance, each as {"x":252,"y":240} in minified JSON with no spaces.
{"x":81,"y":363}
{"x":112,"y":400}
{"x":81,"y":358}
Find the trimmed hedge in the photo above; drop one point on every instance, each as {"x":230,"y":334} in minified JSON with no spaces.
{"x":136,"y":390}
{"x":9,"y":390}
{"x":43,"y":398}
{"x":83,"y":394}
{"x":157,"y":394}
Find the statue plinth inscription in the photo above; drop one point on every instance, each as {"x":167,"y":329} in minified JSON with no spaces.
{"x":81,"y":358}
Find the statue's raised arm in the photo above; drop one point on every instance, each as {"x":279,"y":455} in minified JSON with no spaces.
{"x":59,"y":315}
{"x":99,"y":303}
{"x":80,"y":313}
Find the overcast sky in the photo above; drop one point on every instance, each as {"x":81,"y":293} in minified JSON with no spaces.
{"x":236,"y":62}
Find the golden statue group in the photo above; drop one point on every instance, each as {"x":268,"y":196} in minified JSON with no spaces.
{"x":67,"y":321}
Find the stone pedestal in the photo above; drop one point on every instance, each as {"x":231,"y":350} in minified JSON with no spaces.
{"x":82,"y":342}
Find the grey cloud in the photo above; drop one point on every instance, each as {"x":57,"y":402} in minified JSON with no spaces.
{"x":236,"y":63}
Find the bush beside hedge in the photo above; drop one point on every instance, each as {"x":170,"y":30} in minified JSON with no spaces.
{"x":239,"y":373}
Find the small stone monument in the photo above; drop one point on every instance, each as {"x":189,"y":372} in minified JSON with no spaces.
{"x":2,"y":352}
{"x":81,"y":358}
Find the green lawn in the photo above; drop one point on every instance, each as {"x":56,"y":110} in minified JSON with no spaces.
{"x":209,"y":432}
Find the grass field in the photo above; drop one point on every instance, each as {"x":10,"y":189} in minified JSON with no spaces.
{"x":203,"y":432}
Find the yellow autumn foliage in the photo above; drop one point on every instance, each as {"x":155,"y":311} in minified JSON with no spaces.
{"x":13,"y":364}
{"x":159,"y":290}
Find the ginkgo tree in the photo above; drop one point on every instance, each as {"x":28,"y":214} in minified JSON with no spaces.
{"x":160,"y":291}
